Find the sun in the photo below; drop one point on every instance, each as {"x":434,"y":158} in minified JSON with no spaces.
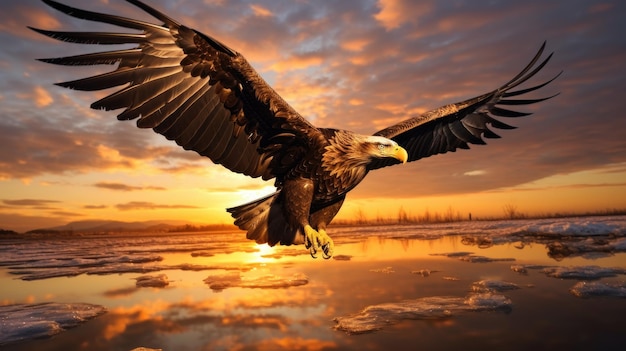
{"x":261,"y":255}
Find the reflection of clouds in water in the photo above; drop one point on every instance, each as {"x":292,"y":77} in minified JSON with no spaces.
{"x":276,"y":318}
{"x":279,"y":298}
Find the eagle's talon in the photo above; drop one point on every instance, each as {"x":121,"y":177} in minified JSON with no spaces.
{"x":328,"y":252}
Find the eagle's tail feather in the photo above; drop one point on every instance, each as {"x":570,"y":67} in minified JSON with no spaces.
{"x":264,"y":221}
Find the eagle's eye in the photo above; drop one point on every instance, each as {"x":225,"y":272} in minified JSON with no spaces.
{"x":381,"y":147}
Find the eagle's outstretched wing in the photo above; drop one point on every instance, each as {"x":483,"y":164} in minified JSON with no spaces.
{"x":192,"y":89}
{"x":454,"y":126}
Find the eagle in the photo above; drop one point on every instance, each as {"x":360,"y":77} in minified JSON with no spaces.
{"x":205,"y":96}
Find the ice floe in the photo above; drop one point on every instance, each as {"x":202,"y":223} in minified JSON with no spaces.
{"x":220,"y":282}
{"x":154,"y":281}
{"x":32,"y":321}
{"x":33,"y":258}
{"x":497,"y":230}
{"x":470,"y":257}
{"x":385,"y":270}
{"x":594,"y":289}
{"x":37,"y":258}
{"x":342,"y":257}
{"x":376,"y":317}
{"x":450,"y":278}
{"x":572,"y":272}
{"x":589,"y":237}
{"x":424,"y":272}
{"x":490,"y":285}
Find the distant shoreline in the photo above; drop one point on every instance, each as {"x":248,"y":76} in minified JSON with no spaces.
{"x":402,"y":219}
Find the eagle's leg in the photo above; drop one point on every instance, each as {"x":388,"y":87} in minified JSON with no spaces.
{"x":315,"y":240}
{"x":321,"y":217}
{"x":298,"y":195}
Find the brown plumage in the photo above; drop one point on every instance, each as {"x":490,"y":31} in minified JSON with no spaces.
{"x":206,"y":97}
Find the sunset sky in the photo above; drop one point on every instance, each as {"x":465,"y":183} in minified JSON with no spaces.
{"x":358,"y":65}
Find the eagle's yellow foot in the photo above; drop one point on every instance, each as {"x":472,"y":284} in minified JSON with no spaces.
{"x":315,"y":240}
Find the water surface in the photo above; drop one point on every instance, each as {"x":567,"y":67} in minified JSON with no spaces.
{"x":225,"y":293}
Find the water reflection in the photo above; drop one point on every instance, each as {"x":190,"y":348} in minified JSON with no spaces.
{"x":280,"y":298}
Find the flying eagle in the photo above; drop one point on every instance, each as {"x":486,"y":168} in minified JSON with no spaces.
{"x":205,"y":96}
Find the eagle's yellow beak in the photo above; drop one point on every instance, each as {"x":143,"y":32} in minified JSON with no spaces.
{"x":400,"y":154}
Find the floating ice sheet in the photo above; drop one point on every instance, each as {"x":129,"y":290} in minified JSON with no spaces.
{"x":33,"y":258}
{"x":385,"y":270}
{"x":594,"y":289}
{"x":376,"y":317}
{"x":32,"y":321}
{"x":424,"y":272}
{"x":470,"y":257}
{"x":572,"y":272}
{"x":490,"y":285}
{"x":501,"y":231}
{"x":154,"y":281}
{"x":342,"y":257}
{"x":231,"y":280}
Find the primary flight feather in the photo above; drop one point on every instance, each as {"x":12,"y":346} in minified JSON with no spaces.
{"x":205,"y":96}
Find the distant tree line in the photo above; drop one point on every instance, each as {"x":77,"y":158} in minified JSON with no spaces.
{"x":510,"y":212}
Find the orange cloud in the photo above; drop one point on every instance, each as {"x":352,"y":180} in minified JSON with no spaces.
{"x":39,"y":95}
{"x":15,"y":21}
{"x":125,"y":187}
{"x":143,"y":205}
{"x":394,"y":13}
{"x":296,"y":62}
{"x":260,"y":11}
{"x":355,"y":44}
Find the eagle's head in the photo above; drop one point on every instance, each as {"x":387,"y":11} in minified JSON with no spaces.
{"x":380,"y":147}
{"x":350,"y":153}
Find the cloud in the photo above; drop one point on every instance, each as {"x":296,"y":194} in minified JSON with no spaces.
{"x":95,"y":207}
{"x":30,"y":202}
{"x":143,"y":205}
{"x":475,"y":173}
{"x":125,"y":187}
{"x":358,"y":65}
{"x":394,"y":13}
{"x":39,"y":95}
{"x":64,"y":214}
{"x":260,"y":11}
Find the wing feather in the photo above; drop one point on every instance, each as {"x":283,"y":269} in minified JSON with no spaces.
{"x":190,"y":88}
{"x":455,"y":126}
